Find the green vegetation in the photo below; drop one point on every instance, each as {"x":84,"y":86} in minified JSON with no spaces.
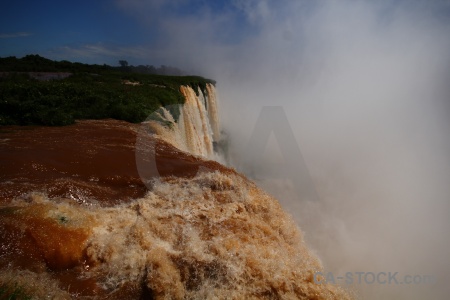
{"x":13,"y":292}
{"x":90,"y":92}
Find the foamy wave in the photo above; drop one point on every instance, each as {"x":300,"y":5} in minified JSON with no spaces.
{"x":215,"y":235}
{"x":36,"y":286}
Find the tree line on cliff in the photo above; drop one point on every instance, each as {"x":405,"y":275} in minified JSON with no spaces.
{"x":87,"y":92}
{"x":37,"y":63}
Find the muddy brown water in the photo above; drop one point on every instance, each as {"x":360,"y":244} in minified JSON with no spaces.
{"x":87,"y":161}
{"x":90,"y":162}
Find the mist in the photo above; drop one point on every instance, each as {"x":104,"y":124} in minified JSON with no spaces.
{"x":366,"y":96}
{"x":364,"y":87}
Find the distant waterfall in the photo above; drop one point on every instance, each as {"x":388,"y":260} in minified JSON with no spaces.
{"x":198,"y":125}
{"x":194,"y":123}
{"x":213,"y":112}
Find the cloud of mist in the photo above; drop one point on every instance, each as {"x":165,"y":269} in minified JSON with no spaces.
{"x":366,"y":95}
{"x":365,"y":88}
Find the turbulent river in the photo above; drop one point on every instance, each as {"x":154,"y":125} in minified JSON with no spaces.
{"x":106,"y":209}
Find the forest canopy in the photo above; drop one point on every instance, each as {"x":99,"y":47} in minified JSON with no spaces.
{"x":38,"y":91}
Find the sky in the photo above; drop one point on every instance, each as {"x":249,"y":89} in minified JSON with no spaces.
{"x":364,"y":86}
{"x":176,"y":32}
{"x":105,"y":31}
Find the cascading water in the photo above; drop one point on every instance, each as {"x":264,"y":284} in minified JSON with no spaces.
{"x":85,"y":225}
{"x":213,"y":111}
{"x":194,"y":123}
{"x":197,"y":127}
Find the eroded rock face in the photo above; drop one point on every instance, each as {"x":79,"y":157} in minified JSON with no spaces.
{"x":202,"y":231}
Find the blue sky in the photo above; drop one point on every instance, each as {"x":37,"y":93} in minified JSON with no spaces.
{"x":185,"y":32}
{"x":55,"y":28}
{"x":104,"y":31}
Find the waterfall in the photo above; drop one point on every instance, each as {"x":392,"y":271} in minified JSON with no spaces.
{"x":197,"y":126}
{"x":194,"y":229}
{"x":194,"y":123}
{"x":213,"y":112}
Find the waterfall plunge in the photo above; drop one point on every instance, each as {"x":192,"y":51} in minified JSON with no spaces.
{"x":197,"y":126}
